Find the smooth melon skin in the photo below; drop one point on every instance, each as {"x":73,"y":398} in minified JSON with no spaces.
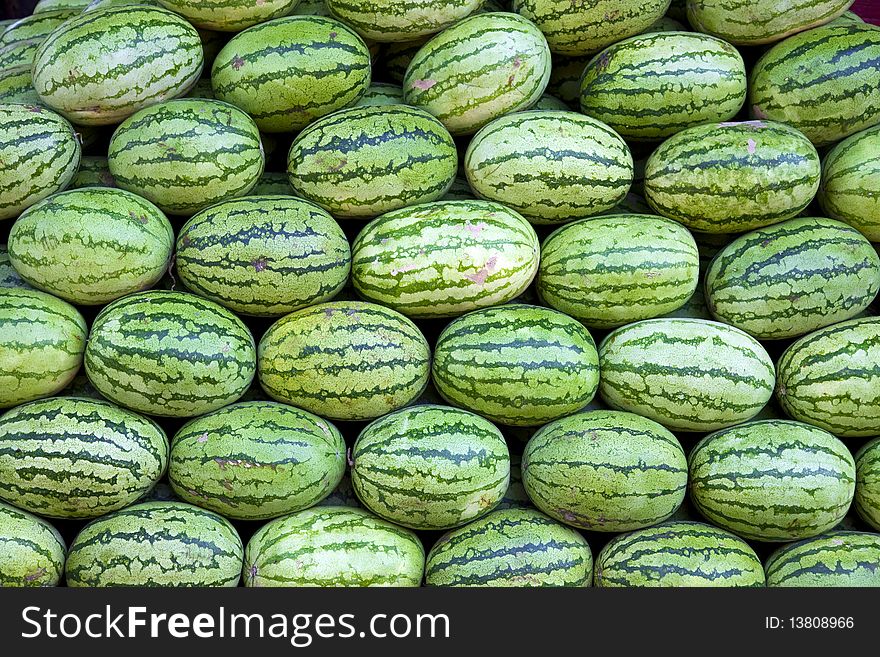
{"x":227,"y":16}
{"x":867,"y":498}
{"x":32,"y":551}
{"x":835,"y":559}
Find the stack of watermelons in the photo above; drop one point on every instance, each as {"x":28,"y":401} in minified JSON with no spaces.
{"x":453,"y":292}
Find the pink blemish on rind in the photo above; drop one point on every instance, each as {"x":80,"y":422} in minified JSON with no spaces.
{"x":260,"y":264}
{"x":752,"y":146}
{"x":423,"y":85}
{"x":475,"y":229}
{"x":480,"y":277}
{"x":758,"y":112}
{"x":203,"y":438}
{"x":237,"y":63}
{"x":404,"y":269}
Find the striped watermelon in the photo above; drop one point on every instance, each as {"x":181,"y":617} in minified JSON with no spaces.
{"x":80,"y":386}
{"x":480,"y":68}
{"x":848,"y":18}
{"x":202,"y":89}
{"x":8,"y":276}
{"x":565,"y":78}
{"x":676,"y":554}
{"x":793,"y":278}
{"x":272,"y":183}
{"x":511,"y":548}
{"x":548,"y":102}
{"x":613,"y":270}
{"x":516,"y":496}
{"x":652,"y":86}
{"x":396,"y":58}
{"x":867,"y":498}
{"x":147,"y":55}
{"x":687,"y":374}
{"x":311,"y":8}
{"x":290,"y":71}
{"x":606,"y":471}
{"x":444,"y":259}
{"x":665,"y":24}
{"x":364,"y":161}
{"x":430,"y":467}
{"x":460,"y":190}
{"x":94,"y":171}
{"x":401,"y":20}
{"x":161,"y":492}
{"x":822,"y":82}
{"x":52,"y":5}
{"x":32,"y":551}
{"x":850,"y":188}
{"x":16,"y":86}
{"x":90,"y":246}
{"x":753,"y":22}
{"x":67,"y":457}
{"x":40,"y":154}
{"x":732,"y":177}
{"x":156,"y":544}
{"x":840,"y":558}
{"x":333,"y":546}
{"x":229,"y":15}
{"x":831,"y":378}
{"x":536,"y":162}
{"x":170,"y":354}
{"x":342,"y":495}
{"x":42,"y":340}
{"x":185,"y":155}
{"x":103,"y":4}
{"x":263,"y":255}
{"x":20,"y":41}
{"x":256,"y":460}
{"x":345,"y":360}
{"x":772,"y":480}
{"x":381,"y":93}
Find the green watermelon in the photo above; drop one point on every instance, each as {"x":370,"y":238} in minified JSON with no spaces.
{"x":772,"y":480}
{"x":732,"y":177}
{"x":565,"y":78}
{"x":42,"y":340}
{"x":333,"y":546}
{"x":516,"y":496}
{"x":516,"y":364}
{"x":170,"y":354}
{"x":94,"y":171}
{"x":687,"y":374}
{"x":381,"y":93}
{"x":263,"y":255}
{"x":613,"y":270}
{"x":840,"y":558}
{"x":16,"y":86}
{"x":272,"y":183}
{"x":460,"y":190}
{"x":145,"y":55}
{"x":156,"y":544}
{"x":480,"y":68}
{"x":229,"y":15}
{"x":430,"y":467}
{"x":203,"y":89}
{"x":103,"y":4}
{"x":80,"y":386}
{"x":90,"y":246}
{"x":849,"y":17}
{"x":311,"y":8}
{"x":676,"y":554}
{"x":401,"y":20}
{"x":290,"y":71}
{"x":850,"y":188}
{"x":511,"y":548}
{"x":396,"y":58}
{"x":40,"y":154}
{"x":606,"y":471}
{"x":32,"y":551}
{"x":256,"y":460}
{"x":52,"y":5}
{"x":20,"y":41}
{"x":364,"y":161}
{"x":652,"y":86}
{"x":665,"y":24}
{"x":867,"y":498}
{"x":68,"y":457}
{"x":444,"y":259}
{"x":552,"y":103}
{"x":831,"y":378}
{"x":822,"y":82}
{"x":342,"y":495}
{"x":8,"y":276}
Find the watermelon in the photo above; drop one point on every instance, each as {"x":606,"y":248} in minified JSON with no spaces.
{"x":20,"y":41}
{"x":792,"y":278}
{"x":665,"y":24}
{"x":401,"y":20}
{"x":849,"y":17}
{"x":32,"y":551}
{"x":606,"y":471}
{"x":652,"y":86}
{"x":396,"y":58}
{"x":80,"y":386}
{"x":229,"y":15}
{"x":840,"y":558}
{"x":364,"y":161}
{"x":516,"y":496}
{"x":90,"y":246}
{"x":772,"y":480}
{"x":202,"y":89}
{"x":536,"y":162}
{"x":333,"y":546}
{"x":381,"y":93}
{"x":516,"y":364}
{"x":565,"y":78}
{"x":290,"y":71}
{"x":161,"y":492}
{"x":40,"y":154}
{"x":446,"y":258}
{"x":676,"y":554}
{"x":146,"y":55}
{"x":867,"y":498}
{"x":460,"y":190}
{"x":480,"y":68}
{"x":831,"y":378}
{"x":548,"y":102}
{"x":613,"y":270}
{"x":103,"y":4}
{"x":263,"y":255}
{"x":344,"y":360}
{"x":94,"y":171}
{"x":16,"y":86}
{"x":822,"y":82}
{"x":687,"y":374}
{"x":511,"y":548}
{"x":68,"y":457}
{"x":156,"y":544}
{"x":42,"y":340}
{"x":311,"y":8}
{"x":256,"y":460}
{"x":430,"y":467}
{"x":850,"y":187}
{"x":8,"y":276}
{"x":170,"y":354}
{"x":732,"y":177}
{"x":272,"y":183}
{"x":342,"y":495}
{"x":53,"y":5}
{"x":753,"y":22}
